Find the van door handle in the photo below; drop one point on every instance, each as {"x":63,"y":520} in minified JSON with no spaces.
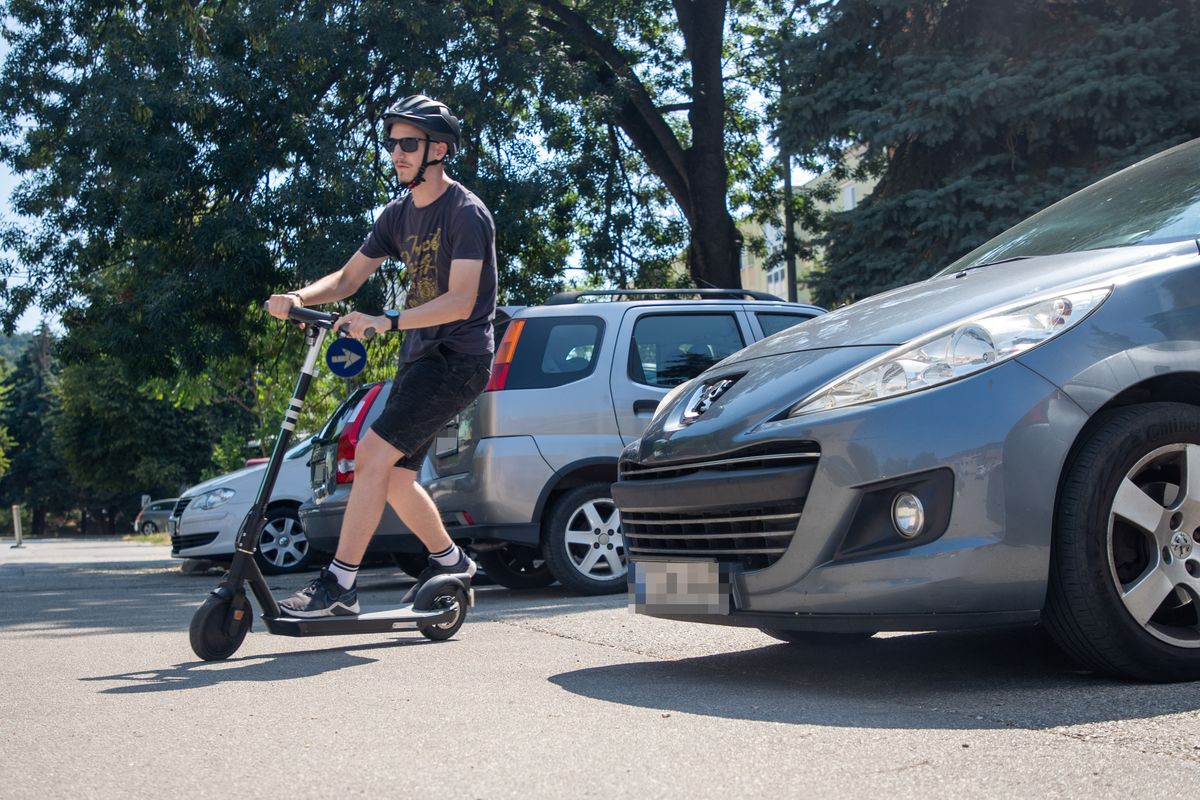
{"x":644,"y":406}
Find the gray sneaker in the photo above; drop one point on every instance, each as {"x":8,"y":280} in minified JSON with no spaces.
{"x":324,"y":597}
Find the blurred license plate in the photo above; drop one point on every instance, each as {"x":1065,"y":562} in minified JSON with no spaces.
{"x":678,"y":587}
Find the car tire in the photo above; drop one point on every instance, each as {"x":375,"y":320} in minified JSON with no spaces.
{"x":283,"y":547}
{"x":516,"y":567}
{"x":411,"y":564}
{"x":148,"y":528}
{"x":1124,"y":588}
{"x":816,"y":638}
{"x":582,"y":542}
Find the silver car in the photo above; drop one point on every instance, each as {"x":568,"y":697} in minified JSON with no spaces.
{"x":523,"y":475}
{"x":1015,"y":439}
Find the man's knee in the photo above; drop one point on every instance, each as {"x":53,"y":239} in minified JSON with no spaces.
{"x":374,"y":453}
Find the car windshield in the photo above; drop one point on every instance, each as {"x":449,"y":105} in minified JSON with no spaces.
{"x":298,"y":450}
{"x":1152,"y":202}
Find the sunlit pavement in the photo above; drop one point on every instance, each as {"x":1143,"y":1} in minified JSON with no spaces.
{"x":541,"y":694}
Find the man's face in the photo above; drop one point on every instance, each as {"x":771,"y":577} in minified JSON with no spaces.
{"x":407,"y":164}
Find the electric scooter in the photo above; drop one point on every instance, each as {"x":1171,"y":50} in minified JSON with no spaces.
{"x":220,"y":624}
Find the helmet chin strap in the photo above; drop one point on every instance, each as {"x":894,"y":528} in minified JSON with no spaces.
{"x":425,"y":162}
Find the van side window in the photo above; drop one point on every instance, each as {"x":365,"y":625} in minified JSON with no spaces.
{"x":774,"y":323}
{"x":669,"y":349}
{"x":553,"y":351}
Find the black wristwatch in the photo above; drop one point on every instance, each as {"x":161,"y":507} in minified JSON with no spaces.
{"x":393,"y":317}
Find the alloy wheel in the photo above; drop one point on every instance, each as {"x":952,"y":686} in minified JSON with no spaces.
{"x":594,"y":541}
{"x":1154,"y":543}
{"x":283,"y":542}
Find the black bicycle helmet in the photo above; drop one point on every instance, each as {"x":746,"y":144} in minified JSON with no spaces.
{"x":429,"y":115}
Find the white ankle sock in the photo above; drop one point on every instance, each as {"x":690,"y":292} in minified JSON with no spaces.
{"x":345,"y":573}
{"x":448,"y":557}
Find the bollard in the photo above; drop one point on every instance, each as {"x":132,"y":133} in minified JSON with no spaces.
{"x":16,"y":512}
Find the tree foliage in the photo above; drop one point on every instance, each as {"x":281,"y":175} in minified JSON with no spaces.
{"x":975,"y":114}
{"x":36,"y":477}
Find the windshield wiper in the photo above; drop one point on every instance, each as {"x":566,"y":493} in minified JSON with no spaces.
{"x":965,"y":270}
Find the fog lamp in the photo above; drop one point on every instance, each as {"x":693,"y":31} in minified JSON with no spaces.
{"x":908,"y":515}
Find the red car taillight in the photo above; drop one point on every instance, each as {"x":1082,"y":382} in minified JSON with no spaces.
{"x":348,"y":441}
{"x":504,"y":356}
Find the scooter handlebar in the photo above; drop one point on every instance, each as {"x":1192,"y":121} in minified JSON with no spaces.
{"x":310,"y":316}
{"x":322,"y":319}
{"x":369,"y":333}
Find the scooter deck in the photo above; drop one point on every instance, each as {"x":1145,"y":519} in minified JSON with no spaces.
{"x":398,"y":619}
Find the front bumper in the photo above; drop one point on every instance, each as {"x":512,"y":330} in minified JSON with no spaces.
{"x":206,"y":534}
{"x":841,"y":566}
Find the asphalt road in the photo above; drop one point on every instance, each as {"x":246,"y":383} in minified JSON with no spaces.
{"x":541,"y":694}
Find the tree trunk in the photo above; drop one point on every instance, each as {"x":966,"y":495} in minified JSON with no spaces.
{"x":714,"y":258}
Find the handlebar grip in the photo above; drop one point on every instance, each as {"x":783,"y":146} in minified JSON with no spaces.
{"x":369,"y":333}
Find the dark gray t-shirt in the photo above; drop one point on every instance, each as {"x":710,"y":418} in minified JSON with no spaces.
{"x":455,"y":226}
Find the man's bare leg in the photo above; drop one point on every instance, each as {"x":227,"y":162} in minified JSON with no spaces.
{"x":374,"y":461}
{"x":417,"y":510}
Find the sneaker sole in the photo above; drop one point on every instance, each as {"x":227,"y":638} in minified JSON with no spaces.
{"x":335,"y":610}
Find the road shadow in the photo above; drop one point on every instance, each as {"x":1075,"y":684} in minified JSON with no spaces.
{"x":266,"y":667}
{"x":98,"y":598}
{"x":954,"y":680}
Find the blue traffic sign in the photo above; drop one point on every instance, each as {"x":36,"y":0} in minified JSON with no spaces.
{"x":346,"y":357}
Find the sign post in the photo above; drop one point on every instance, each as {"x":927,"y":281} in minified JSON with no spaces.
{"x":16,"y":514}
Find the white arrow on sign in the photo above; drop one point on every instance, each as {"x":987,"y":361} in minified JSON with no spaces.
{"x":347,"y":358}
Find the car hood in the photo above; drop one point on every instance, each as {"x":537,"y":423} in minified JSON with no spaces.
{"x":238,"y":477}
{"x":903,"y":314}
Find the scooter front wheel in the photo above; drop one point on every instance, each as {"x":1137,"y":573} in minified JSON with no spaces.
{"x":450,"y":597}
{"x":217,"y":630}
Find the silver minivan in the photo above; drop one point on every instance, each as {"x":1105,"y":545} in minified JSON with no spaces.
{"x":522,"y":476}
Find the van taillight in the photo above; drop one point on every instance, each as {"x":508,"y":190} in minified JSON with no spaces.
{"x":504,"y":356}
{"x":348,"y":441}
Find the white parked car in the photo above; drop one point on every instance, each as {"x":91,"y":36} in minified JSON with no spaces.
{"x":206,"y":518}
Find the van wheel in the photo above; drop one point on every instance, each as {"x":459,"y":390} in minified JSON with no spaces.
{"x":283,"y":548}
{"x":1124,"y":591}
{"x":516,"y":567}
{"x":582,"y":542}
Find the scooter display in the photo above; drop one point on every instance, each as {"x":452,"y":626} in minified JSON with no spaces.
{"x":221,"y":623}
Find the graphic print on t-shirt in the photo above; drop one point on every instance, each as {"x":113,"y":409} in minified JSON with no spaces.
{"x":420,"y":256}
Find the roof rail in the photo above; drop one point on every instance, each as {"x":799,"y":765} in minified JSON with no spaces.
{"x":566,"y":298}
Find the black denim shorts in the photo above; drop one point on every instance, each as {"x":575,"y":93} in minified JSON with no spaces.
{"x":426,"y":394}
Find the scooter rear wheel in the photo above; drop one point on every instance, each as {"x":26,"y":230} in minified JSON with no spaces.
{"x":214,"y":633}
{"x":447,"y":598}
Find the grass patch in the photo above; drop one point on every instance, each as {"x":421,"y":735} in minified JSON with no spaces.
{"x":147,"y":538}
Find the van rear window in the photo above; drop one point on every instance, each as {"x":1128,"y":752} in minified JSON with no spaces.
{"x":554,"y":351}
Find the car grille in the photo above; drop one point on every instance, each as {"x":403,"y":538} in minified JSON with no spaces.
{"x":191,"y":540}
{"x":180,"y":506}
{"x":745,"y":460}
{"x":742,"y":507}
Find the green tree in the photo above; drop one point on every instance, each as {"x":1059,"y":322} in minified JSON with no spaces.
{"x":634,"y":89}
{"x":117,"y":444}
{"x":975,"y":114}
{"x":36,"y":477}
{"x":6,"y":442}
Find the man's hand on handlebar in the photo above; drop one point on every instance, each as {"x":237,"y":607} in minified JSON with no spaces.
{"x":278,"y":305}
{"x":356,"y":324}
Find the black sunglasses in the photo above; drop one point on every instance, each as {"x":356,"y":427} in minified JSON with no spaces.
{"x":408,"y":144}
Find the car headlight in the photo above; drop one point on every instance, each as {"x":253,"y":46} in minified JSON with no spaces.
{"x":956,"y":351}
{"x":217,"y":497}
